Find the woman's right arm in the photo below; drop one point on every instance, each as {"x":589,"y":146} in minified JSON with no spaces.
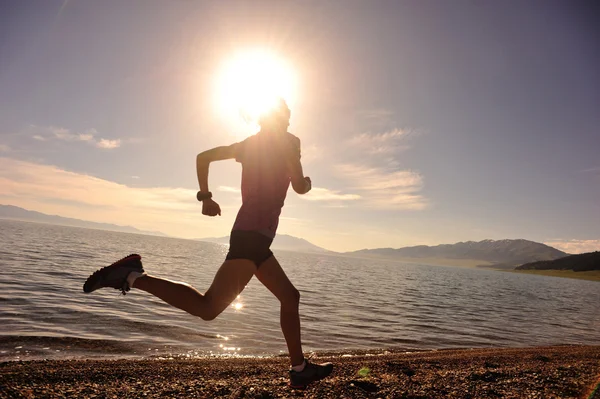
{"x":203,"y":160}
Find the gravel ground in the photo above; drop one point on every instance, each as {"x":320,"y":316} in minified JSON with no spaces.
{"x":544,"y":372}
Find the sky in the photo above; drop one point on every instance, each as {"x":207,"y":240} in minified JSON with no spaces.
{"x":421,"y":122}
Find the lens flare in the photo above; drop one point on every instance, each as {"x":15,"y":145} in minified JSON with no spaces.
{"x":251,"y":82}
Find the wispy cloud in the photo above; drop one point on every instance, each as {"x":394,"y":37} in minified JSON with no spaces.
{"x":388,"y":142}
{"x":66,"y":135}
{"x":108,"y":144}
{"x":385,"y":189}
{"x":62,"y":134}
{"x":324,"y":194}
{"x":591,"y":170}
{"x":379,"y":178}
{"x":4,"y":148}
{"x":575,"y":246}
{"x":21,"y":178}
{"x":52,"y":190}
{"x":229,"y":189}
{"x":311,"y":153}
{"x":378,"y":137}
{"x":376,"y":113}
{"x":295,"y":220}
{"x":316,"y":194}
{"x":379,"y":118}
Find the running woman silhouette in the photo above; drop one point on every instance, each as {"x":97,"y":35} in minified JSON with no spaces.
{"x":270,"y":161}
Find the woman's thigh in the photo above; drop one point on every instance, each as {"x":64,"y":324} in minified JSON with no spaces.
{"x":230,"y":280}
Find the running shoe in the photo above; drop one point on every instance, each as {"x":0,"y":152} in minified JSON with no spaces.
{"x":311,"y":373}
{"x":115,"y":275}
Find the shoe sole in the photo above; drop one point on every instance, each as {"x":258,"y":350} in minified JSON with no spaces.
{"x":93,"y":279}
{"x":307,"y":384}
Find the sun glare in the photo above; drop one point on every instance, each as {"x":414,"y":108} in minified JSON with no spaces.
{"x":250,"y":83}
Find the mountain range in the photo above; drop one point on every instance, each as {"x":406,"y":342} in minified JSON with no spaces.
{"x":16,"y":213}
{"x":506,"y":254}
{"x":281,"y":242}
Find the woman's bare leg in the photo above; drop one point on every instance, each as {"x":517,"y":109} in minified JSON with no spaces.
{"x":231,"y":278}
{"x":274,"y":278}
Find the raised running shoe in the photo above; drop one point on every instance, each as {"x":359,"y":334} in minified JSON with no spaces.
{"x":115,"y":275}
{"x":311,"y":373}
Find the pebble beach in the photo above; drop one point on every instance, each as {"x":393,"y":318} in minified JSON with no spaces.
{"x":541,"y":372}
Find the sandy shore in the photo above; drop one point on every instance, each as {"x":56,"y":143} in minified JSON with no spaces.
{"x":544,"y":372}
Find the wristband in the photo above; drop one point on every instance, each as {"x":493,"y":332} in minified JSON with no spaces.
{"x":202,"y":195}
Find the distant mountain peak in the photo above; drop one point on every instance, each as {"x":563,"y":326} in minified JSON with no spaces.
{"x":505,"y":251}
{"x":282,"y":242}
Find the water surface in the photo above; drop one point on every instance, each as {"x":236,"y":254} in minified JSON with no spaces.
{"x":346,"y":303}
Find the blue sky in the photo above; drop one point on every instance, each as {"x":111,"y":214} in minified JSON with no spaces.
{"x":421,"y":122}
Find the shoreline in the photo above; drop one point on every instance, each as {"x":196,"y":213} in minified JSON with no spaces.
{"x":593,"y":275}
{"x":539,"y":372}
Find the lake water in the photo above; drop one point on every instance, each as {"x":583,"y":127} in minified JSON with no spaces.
{"x":346,"y":303}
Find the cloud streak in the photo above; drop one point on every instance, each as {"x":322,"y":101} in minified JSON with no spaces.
{"x":52,"y":190}
{"x":324,"y":194}
{"x":386,"y":189}
{"x":576,"y":246}
{"x":591,"y":170}
{"x":379,"y":180}
{"x":381,"y":143}
{"x":229,"y":189}
{"x":62,"y":134}
{"x":108,"y":144}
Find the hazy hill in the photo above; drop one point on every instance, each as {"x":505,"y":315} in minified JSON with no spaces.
{"x":501,"y":253}
{"x":282,"y":242}
{"x":578,"y":263}
{"x":16,"y":213}
{"x":498,"y":254}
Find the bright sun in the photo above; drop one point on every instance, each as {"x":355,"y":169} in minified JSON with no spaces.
{"x":249,"y":83}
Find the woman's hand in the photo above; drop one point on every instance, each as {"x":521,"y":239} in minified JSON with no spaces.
{"x":210,"y":208}
{"x":308,"y":184}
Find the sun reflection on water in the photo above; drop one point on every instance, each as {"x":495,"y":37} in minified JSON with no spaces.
{"x":229,"y":349}
{"x":238,"y":305}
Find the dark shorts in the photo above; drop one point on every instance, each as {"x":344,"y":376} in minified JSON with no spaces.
{"x":249,"y":245}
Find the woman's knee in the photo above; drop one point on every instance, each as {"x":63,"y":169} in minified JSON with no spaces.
{"x":208,"y":316}
{"x":208,"y":311}
{"x":291,"y":299}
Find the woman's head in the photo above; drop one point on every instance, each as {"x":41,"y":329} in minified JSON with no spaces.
{"x":277,"y":117}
